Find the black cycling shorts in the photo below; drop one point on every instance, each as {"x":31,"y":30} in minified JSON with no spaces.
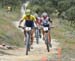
{"x":46,"y":25}
{"x":29,"y":24}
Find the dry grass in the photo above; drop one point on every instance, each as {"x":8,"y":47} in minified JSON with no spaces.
{"x":8,"y":32}
{"x":66,"y":36}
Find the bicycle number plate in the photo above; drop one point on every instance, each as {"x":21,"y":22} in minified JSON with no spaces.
{"x":45,"y":28}
{"x":28,"y":28}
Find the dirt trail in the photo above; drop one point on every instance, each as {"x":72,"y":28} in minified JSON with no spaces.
{"x":35,"y":54}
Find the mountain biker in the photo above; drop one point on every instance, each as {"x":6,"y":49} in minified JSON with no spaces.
{"x":46,"y":21}
{"x":9,"y":9}
{"x":38,"y":23}
{"x":29,"y":22}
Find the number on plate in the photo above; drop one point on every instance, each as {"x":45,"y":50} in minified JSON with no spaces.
{"x":45,"y":28}
{"x":28,"y":28}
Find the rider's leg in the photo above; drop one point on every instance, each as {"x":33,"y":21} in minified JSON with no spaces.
{"x":32,"y":38}
{"x":35,"y":32}
{"x":40,"y":33}
{"x":49,"y":38}
{"x":43,"y":33}
{"x":24,"y":36}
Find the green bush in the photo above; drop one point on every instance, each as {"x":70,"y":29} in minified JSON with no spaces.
{"x":70,"y":13}
{"x":63,"y":5}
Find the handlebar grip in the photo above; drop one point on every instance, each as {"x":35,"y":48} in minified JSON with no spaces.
{"x":21,"y":27}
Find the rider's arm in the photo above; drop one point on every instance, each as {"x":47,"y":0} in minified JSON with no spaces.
{"x":34,"y":19}
{"x":21,"y":20}
{"x":50,"y":20}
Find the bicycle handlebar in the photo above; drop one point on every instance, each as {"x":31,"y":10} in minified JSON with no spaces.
{"x":21,"y":27}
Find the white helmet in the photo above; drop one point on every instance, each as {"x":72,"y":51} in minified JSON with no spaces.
{"x":36,"y":15}
{"x":44,"y":14}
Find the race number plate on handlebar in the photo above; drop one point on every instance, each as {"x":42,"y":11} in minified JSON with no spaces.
{"x":45,"y":28}
{"x":28,"y":28}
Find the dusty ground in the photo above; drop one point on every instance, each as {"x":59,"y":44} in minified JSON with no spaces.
{"x":37,"y":54}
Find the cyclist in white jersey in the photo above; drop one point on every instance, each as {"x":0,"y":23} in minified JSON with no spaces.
{"x":46,"y":21}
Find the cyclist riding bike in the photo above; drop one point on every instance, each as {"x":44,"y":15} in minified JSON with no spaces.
{"x":38,"y":23}
{"x":46,"y":21}
{"x":9,"y":9}
{"x":29,"y":22}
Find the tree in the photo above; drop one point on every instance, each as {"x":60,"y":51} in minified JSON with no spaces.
{"x":70,"y":13}
{"x":63,"y":6}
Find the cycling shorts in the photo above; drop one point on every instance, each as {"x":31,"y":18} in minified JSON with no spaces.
{"x":46,"y":25}
{"x":29,"y":23}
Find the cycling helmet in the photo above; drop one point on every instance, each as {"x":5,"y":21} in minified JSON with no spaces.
{"x":36,"y":15}
{"x":44,"y":14}
{"x":28,"y":12}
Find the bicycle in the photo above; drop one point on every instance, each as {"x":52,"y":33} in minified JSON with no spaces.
{"x":37,"y":34}
{"x":27,"y":38}
{"x":46,"y":37}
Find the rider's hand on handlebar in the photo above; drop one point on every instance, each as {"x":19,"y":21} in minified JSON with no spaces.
{"x":19,"y":26}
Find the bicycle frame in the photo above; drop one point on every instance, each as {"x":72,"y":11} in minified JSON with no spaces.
{"x":46,"y":37}
{"x":37,"y":35}
{"x":27,"y":38}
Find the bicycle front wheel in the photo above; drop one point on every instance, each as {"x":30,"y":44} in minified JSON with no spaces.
{"x":27,"y":43}
{"x":46,"y":42}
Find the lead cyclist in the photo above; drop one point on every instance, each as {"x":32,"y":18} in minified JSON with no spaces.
{"x":29,"y":22}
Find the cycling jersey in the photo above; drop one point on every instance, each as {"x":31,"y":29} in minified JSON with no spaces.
{"x":38,"y":20}
{"x":29,"y":20}
{"x":45,"y":21}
